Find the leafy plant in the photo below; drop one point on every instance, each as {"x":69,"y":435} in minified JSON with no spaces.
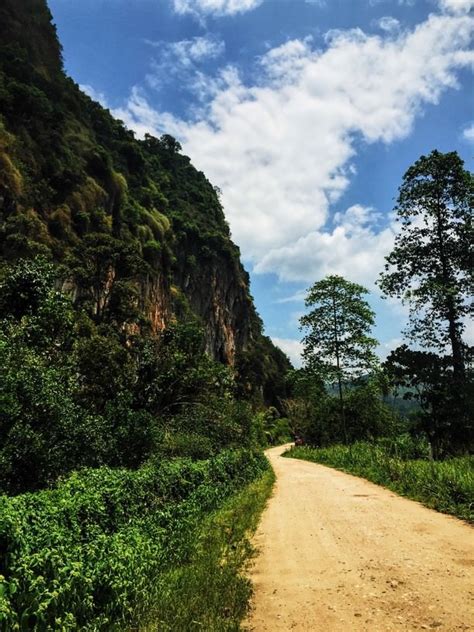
{"x":93,"y":552}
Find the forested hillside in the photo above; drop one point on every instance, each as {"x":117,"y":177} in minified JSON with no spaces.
{"x":133,"y":365}
{"x":140,"y":232}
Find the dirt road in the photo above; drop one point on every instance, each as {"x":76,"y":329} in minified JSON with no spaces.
{"x":338,"y":553}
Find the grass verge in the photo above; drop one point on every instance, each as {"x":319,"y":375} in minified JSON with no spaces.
{"x":447,"y":486}
{"x":212,"y":592}
{"x":91,"y":553}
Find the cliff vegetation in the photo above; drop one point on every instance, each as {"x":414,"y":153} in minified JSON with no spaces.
{"x":133,"y":367}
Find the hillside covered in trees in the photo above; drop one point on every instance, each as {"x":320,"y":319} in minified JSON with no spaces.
{"x":139,"y":232}
{"x":133,"y":364}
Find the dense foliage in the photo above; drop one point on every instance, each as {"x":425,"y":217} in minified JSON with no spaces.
{"x":131,"y":361}
{"x":315,"y":412}
{"x":337,"y":345}
{"x":430,"y":268}
{"x":140,"y":233}
{"x":405,"y":467}
{"x":113,"y":347}
{"x":67,"y":383}
{"x":212,"y":590}
{"x":427,"y":378}
{"x":131,"y":356}
{"x":89,"y":554}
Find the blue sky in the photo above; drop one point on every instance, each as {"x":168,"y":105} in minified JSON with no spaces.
{"x":306,"y":113}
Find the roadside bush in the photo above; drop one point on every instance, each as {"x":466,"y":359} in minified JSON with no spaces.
{"x":212,"y":591}
{"x":67,"y":382}
{"x":273,"y":429}
{"x":190,"y":444}
{"x":315,"y":414}
{"x":88,"y":554}
{"x":406,"y":447}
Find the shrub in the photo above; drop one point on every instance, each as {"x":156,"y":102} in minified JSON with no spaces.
{"x":88,"y":554}
{"x":211,"y":592}
{"x":67,"y":382}
{"x":189,"y":444}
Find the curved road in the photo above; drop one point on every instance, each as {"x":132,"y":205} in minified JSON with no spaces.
{"x":337,"y":553}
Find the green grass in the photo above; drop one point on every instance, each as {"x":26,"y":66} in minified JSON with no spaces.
{"x":211,"y":592}
{"x":447,"y":486}
{"x":106,"y":549}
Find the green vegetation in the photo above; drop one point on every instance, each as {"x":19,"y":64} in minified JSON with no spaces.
{"x":140,"y":233}
{"x":135,"y":376}
{"x":134,"y":372}
{"x":271,"y":428}
{"x":315,"y":413}
{"x":67,"y":382}
{"x":337,"y":344}
{"x":338,"y":351}
{"x":429,"y":268}
{"x":447,"y":486}
{"x":211,"y":591}
{"x":124,"y":444}
{"x":421,"y":449}
{"x":104,"y":547}
{"x":426,"y":379}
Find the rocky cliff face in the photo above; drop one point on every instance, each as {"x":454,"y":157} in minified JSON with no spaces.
{"x":140,"y":232}
{"x":217,"y":291}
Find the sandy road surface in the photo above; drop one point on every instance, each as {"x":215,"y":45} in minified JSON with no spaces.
{"x":338,"y":553}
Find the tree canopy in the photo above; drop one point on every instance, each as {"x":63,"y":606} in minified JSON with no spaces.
{"x":430,"y":266}
{"x":337,"y":344}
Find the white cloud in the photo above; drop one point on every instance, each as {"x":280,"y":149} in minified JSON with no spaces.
{"x":187,"y":51}
{"x":283,"y":65}
{"x":282,"y":150}
{"x":142,"y":118}
{"x":214,"y":7}
{"x":292,"y":348}
{"x":297,"y":297}
{"x":468,"y":133}
{"x":182,"y":60}
{"x":457,"y":6}
{"x":353,"y":249}
{"x":389,"y":24}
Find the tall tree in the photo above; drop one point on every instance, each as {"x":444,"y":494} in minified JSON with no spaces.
{"x":427,"y":378}
{"x":430,"y":266}
{"x":337,"y":344}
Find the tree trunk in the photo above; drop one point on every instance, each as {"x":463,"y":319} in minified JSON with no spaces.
{"x":458,"y":359}
{"x":343,"y":412}
{"x":456,"y":346}
{"x":338,"y":365}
